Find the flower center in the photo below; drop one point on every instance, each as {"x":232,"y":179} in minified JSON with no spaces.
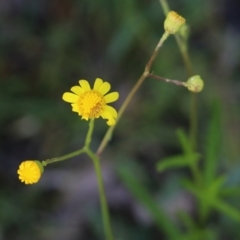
{"x":91,"y":104}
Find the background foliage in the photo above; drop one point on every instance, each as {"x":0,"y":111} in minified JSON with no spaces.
{"x":45,"y":48}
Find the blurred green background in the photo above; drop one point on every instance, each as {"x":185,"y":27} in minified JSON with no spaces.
{"x":45,"y":48}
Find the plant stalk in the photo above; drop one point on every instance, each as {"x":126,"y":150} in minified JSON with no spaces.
{"x":103,"y":200}
{"x":110,"y":130}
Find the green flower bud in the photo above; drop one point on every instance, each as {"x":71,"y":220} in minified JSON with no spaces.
{"x":195,"y":84}
{"x":173,"y":22}
{"x":184,"y":32}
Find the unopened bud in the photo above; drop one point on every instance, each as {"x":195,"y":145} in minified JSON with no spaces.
{"x":195,"y":84}
{"x":173,"y":22}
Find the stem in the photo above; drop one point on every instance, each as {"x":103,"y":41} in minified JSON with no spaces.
{"x":193,"y":121}
{"x":89,"y":133}
{"x":75,"y":153}
{"x":155,"y":52}
{"x":168,"y":80}
{"x":182,"y":44}
{"x":64,"y":157}
{"x":103,"y":200}
{"x":165,"y":6}
{"x":108,"y":134}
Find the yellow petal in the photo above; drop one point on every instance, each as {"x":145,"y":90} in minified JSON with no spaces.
{"x":97,"y":84}
{"x":111,"y":97}
{"x":69,"y":97}
{"x":111,"y":110}
{"x":85,"y":85}
{"x":104,"y":88}
{"x":77,"y":90}
{"x":106,"y":115}
{"x":75,"y":107}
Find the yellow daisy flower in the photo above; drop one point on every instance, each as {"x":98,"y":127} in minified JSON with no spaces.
{"x":30,"y":171}
{"x":92,"y":103}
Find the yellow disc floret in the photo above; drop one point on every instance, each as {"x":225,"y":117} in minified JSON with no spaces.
{"x":30,"y":171}
{"x":92,"y":103}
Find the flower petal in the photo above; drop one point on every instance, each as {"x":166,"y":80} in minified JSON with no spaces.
{"x":75,"y":107}
{"x":97,"y":84}
{"x":111,"y":110}
{"x":84,"y":84}
{"x":106,"y":115}
{"x":69,"y":97}
{"x":111,"y":97}
{"x":104,"y":88}
{"x":77,"y":90}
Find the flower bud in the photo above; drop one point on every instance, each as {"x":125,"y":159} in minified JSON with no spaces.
{"x":30,"y":171}
{"x":195,"y":84}
{"x":173,"y":22}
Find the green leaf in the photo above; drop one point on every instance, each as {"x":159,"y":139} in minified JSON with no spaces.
{"x":187,"y":221}
{"x":214,"y":189}
{"x":229,"y":192}
{"x":184,"y":141}
{"x":189,"y":185}
{"x":142,"y":195}
{"x":177,"y":161}
{"x":227,"y":209}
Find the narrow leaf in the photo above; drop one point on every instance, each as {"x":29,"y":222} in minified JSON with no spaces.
{"x":142,"y":195}
{"x":177,"y":161}
{"x":227,"y":210}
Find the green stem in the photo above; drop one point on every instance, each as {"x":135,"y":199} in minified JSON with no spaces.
{"x":109,"y":132}
{"x":64,"y":157}
{"x":193,"y":121}
{"x":182,"y":44}
{"x":75,"y":153}
{"x":168,"y":80}
{"x":165,"y":6}
{"x":103,"y":200}
{"x":89,"y":133}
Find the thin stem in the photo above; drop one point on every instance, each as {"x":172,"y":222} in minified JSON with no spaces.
{"x":64,"y":157}
{"x":89,"y":133}
{"x":109,"y":132}
{"x":193,"y":121}
{"x":155,"y":52}
{"x":182,"y":44}
{"x":168,"y":80}
{"x":103,"y":200}
{"x":75,"y":153}
{"x":165,"y":6}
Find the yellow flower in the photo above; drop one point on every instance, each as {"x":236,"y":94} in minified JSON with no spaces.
{"x":92,"y":103}
{"x":173,"y":22}
{"x":30,"y":171}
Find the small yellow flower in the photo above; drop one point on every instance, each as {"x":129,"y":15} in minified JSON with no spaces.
{"x":173,"y":22}
{"x":92,"y":103}
{"x":30,"y":171}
